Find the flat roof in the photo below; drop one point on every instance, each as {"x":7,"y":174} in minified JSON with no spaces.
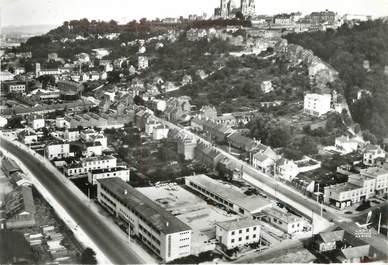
{"x":149,"y":210}
{"x":173,"y":198}
{"x":346,"y":186}
{"x":239,"y":223}
{"x":230,"y":193}
{"x":284,"y":216}
{"x":98,"y":158}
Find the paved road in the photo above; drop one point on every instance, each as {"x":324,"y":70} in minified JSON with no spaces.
{"x":100,"y":233}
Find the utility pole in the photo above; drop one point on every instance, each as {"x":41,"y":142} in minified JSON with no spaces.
{"x":378,"y":229}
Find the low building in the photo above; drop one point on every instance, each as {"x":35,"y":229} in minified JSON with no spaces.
{"x":142,"y":62}
{"x":20,"y":208}
{"x":36,"y":122}
{"x":264,"y":159}
{"x":286,"y":169}
{"x":285,"y":221}
{"x":92,"y":149}
{"x":62,"y":122}
{"x":266,"y":87}
{"x":226,"y":195}
{"x":16,"y":88}
{"x":346,"y":145}
{"x":327,"y":241}
{"x":112,"y":172}
{"x":71,"y":135}
{"x":90,"y":163}
{"x":373,"y":155}
{"x":9,"y":166}
{"x":242,"y":142}
{"x":164,"y":234}
{"x":317,"y":104}
{"x":238,"y":232}
{"x":57,"y":150}
{"x":160,"y":132}
{"x":28,"y":137}
{"x":70,"y":89}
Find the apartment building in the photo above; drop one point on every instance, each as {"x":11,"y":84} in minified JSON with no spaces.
{"x":57,"y":150}
{"x":226,"y":196}
{"x":238,"y":232}
{"x":164,"y":234}
{"x":103,"y":173}
{"x":359,"y":187}
{"x":285,"y":221}
{"x":317,"y":104}
{"x":90,"y":163}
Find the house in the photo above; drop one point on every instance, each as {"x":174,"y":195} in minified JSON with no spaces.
{"x":71,"y":134}
{"x":216,"y":132}
{"x":285,"y":221}
{"x":266,"y":87}
{"x":186,"y":147}
{"x":357,"y":254}
{"x":208,"y":112}
{"x":242,"y":142}
{"x":92,"y":149}
{"x":9,"y":166}
{"x":160,"y":132}
{"x":286,"y":169}
{"x":36,"y":121}
{"x":14,"y":248}
{"x":238,"y":232}
{"x":20,"y":208}
{"x":16,"y":87}
{"x":264,"y":159}
{"x":347,"y":145}
{"x":163,"y":233}
{"x":187,"y":80}
{"x":70,"y":89}
{"x":317,"y":104}
{"x":327,"y":241}
{"x":90,"y":163}
{"x":57,"y":150}
{"x":28,"y":137}
{"x":113,"y":172}
{"x":177,"y":108}
{"x":207,"y":155}
{"x":142,"y":62}
{"x":373,"y":155}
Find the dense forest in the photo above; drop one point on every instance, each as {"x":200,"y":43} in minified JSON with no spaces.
{"x":346,"y":49}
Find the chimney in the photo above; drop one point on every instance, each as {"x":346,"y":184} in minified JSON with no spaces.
{"x":125,"y":192}
{"x":167,"y":223}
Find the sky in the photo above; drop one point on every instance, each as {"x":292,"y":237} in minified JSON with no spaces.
{"x":54,"y":12}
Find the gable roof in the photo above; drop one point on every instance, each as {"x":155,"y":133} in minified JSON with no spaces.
{"x":356,"y":252}
{"x":332,"y":236}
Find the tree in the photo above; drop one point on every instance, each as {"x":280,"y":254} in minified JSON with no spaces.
{"x":308,"y":145}
{"x":368,"y":136}
{"x":239,"y":15}
{"x":88,"y":256}
{"x":279,"y":136}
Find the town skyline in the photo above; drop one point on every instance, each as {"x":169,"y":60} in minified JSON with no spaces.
{"x":16,"y":13}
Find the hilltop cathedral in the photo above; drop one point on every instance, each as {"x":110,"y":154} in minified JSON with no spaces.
{"x":228,"y":9}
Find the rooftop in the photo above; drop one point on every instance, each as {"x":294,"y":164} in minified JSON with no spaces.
{"x":238,"y":223}
{"x":286,"y":217}
{"x":342,"y":187}
{"x":146,"y":208}
{"x":107,"y":170}
{"x":230,"y":193}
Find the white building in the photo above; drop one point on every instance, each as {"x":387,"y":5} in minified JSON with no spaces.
{"x":160,"y":132}
{"x":237,"y":233}
{"x":61,"y":122}
{"x":6,"y":76}
{"x":91,"y":163}
{"x":57,"y":150}
{"x":347,"y":145}
{"x":164,"y":234}
{"x":16,"y":88}
{"x":112,"y":172}
{"x":286,"y":169}
{"x":93,"y":149}
{"x":373,"y":154}
{"x":317,"y":104}
{"x":285,"y":221}
{"x":266,"y":87}
{"x":37,"y":122}
{"x":142,"y":62}
{"x":360,"y":187}
{"x":71,"y":135}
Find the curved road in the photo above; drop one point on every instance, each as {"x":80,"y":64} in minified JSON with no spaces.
{"x":100,"y":233}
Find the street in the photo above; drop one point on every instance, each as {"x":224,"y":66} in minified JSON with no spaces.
{"x":102,"y":234}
